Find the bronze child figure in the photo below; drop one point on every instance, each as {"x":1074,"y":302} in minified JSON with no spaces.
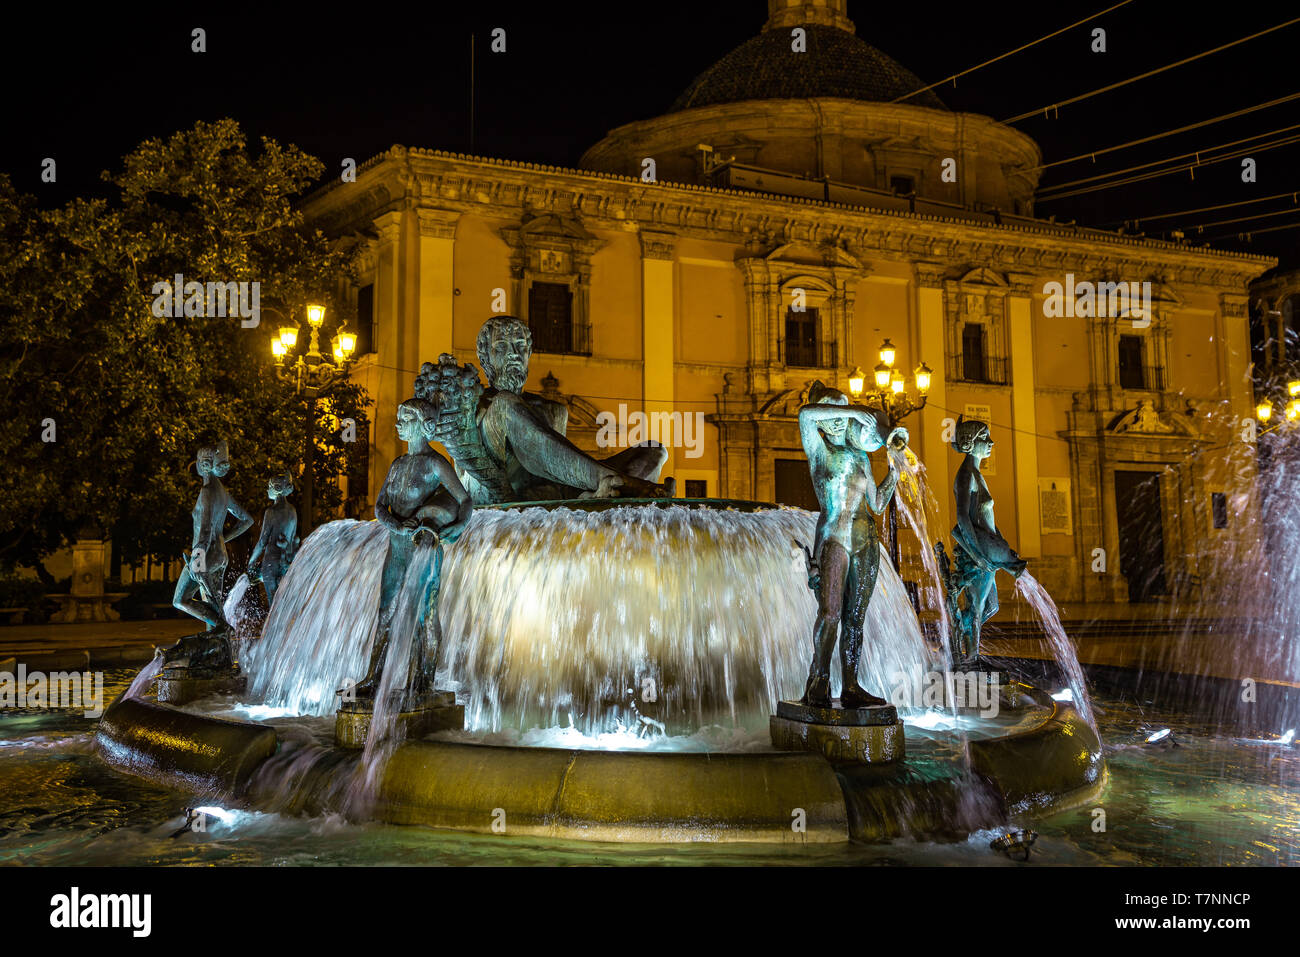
{"x":979,"y":549}
{"x":278,"y":542}
{"x":201,"y":589}
{"x":837,"y":438}
{"x":422,"y":504}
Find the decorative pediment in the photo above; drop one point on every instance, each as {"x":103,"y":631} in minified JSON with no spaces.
{"x":1165,"y":295}
{"x":1146,"y":420}
{"x":983,"y":276}
{"x":813,"y":255}
{"x":806,"y":281}
{"x":552,"y":230}
{"x":786,"y":402}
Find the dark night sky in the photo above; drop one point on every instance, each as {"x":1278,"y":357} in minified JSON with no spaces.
{"x":352,"y":81}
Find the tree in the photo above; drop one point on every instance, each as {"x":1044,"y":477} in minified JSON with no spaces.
{"x":106,"y":400}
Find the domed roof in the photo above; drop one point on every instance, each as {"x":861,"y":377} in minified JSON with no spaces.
{"x":835,"y":64}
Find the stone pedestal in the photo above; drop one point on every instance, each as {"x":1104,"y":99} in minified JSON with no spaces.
{"x":858,"y":735}
{"x":435,"y":712}
{"x":180,"y":686}
{"x":87,"y":601}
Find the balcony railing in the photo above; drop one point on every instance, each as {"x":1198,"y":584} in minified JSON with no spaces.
{"x":821,"y":355}
{"x":1152,"y":379}
{"x":987,"y":370}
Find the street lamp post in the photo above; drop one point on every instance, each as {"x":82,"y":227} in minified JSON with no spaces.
{"x":312,"y":375}
{"x":1264,"y":410}
{"x":891,"y":395}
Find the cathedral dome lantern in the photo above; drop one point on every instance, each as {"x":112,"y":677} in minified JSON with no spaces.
{"x":809,"y":108}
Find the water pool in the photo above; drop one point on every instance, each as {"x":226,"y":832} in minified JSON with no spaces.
{"x":1214,"y":799}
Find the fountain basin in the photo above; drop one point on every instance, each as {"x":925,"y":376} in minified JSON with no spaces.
{"x":1043,"y":765}
{"x":161,"y":743}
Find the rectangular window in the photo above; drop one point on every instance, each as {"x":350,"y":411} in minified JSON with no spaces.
{"x":972,"y":353}
{"x":1219,"y":506}
{"x":1132,"y":375}
{"x":697,"y":488}
{"x":801,"y":338}
{"x":365,"y":320}
{"x":901,"y":185}
{"x":550,"y":316}
{"x":794,"y":485}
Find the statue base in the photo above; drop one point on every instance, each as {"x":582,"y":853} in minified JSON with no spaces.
{"x":180,"y":685}
{"x":858,"y":735}
{"x":425,"y":715}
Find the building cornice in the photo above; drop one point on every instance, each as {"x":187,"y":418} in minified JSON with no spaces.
{"x":501,"y":188}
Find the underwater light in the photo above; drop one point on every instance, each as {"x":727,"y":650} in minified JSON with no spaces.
{"x":1288,"y":737}
{"x":220,"y":813}
{"x":1064,"y":695}
{"x":1015,"y":844}
{"x":1162,"y":738}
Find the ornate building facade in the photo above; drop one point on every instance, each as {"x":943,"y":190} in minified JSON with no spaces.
{"x":676,"y":293}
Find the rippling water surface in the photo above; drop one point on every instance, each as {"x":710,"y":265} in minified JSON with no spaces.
{"x":1211,"y":800}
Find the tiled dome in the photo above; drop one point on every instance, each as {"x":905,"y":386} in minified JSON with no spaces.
{"x":835,"y":64}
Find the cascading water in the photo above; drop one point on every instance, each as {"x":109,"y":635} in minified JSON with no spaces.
{"x":142,"y":681}
{"x":1063,"y":650}
{"x":915,"y":503}
{"x":587,"y":618}
{"x":320,"y":630}
{"x":235,"y":616}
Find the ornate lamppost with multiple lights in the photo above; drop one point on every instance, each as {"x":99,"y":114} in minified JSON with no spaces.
{"x":312,"y":375}
{"x":890,"y":394}
{"x":1264,"y":411}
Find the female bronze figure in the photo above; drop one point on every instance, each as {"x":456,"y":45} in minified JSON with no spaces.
{"x":979,"y":548}
{"x":837,"y":438}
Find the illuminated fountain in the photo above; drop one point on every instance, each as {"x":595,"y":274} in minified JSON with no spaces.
{"x":618,"y":660}
{"x":634,"y":648}
{"x":587,"y":617}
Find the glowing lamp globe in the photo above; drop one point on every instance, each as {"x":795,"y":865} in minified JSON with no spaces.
{"x":887,"y":352}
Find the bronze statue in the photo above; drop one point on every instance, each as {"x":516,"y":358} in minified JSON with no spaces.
{"x":509,"y":445}
{"x":278,"y":541}
{"x":423,"y":505}
{"x":979,"y":548}
{"x":201,"y":589}
{"x":837,"y":438}
{"x":205,"y":567}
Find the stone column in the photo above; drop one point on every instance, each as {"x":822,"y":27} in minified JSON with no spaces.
{"x":1232,"y":334}
{"x":658,"y":328}
{"x":934,"y":450}
{"x":436,"y":285}
{"x":392,"y":341}
{"x":1024,"y":419}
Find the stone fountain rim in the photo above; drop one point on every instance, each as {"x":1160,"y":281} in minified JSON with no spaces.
{"x":595,"y":795}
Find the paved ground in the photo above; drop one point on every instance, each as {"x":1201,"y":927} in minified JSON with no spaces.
{"x":105,"y":644}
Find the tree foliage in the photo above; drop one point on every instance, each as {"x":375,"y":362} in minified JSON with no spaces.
{"x":131,"y":396}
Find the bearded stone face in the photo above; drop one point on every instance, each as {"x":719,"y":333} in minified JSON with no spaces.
{"x":508,"y":352}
